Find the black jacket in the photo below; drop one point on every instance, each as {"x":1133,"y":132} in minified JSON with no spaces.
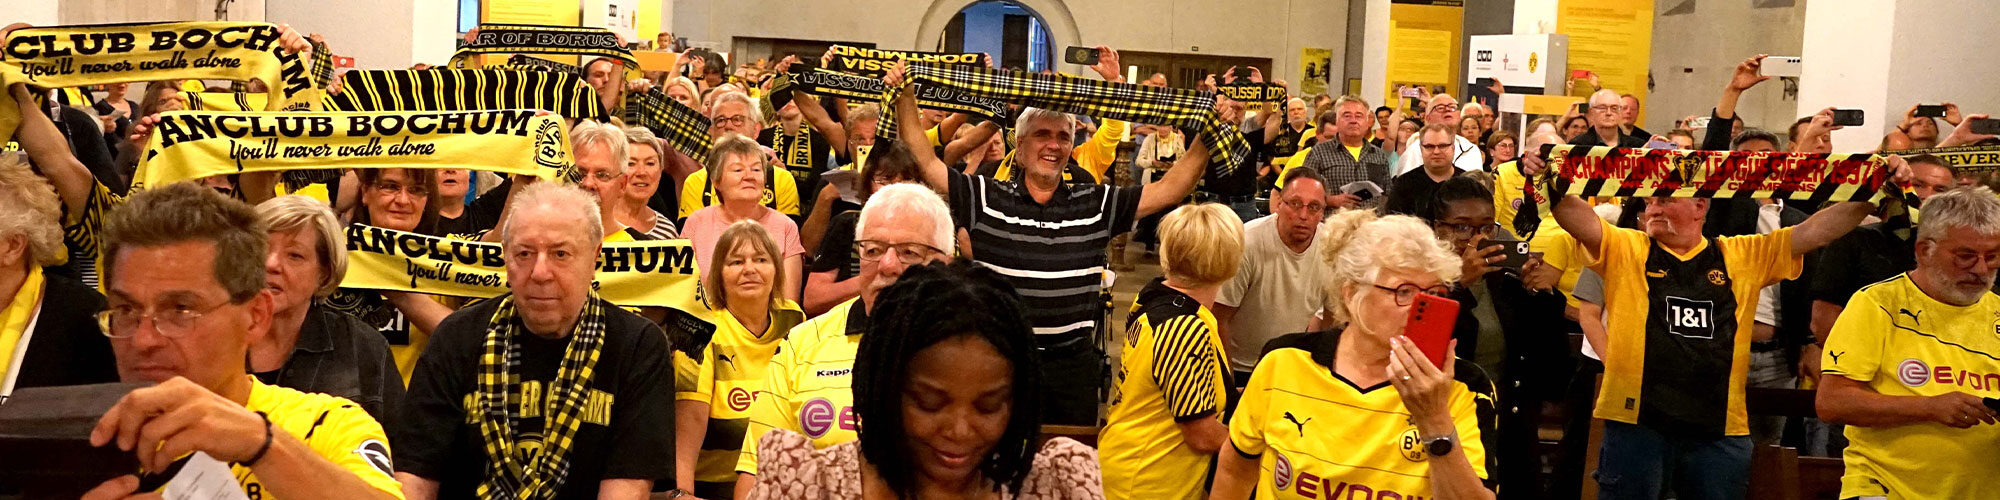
{"x":67,"y":348}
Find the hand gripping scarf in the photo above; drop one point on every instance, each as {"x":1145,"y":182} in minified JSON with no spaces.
{"x":1643,"y":173}
{"x":543,"y":39}
{"x":192,"y":145}
{"x":466,"y":90}
{"x":683,"y":128}
{"x":512,"y":473}
{"x":77,"y":56}
{"x":873,"y":63}
{"x":1185,"y":109}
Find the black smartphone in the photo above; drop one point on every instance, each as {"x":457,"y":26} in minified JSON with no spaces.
{"x":1086,"y":56}
{"x":1514,"y":252}
{"x":1986,"y":126}
{"x":1415,"y":104}
{"x":1848,"y":117}
{"x":1993,"y":403}
{"x":1930,"y":110}
{"x":1582,"y":108}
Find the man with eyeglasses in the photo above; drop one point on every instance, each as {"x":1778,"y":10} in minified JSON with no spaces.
{"x":1277,"y":287}
{"x":807,"y":386}
{"x":1607,"y":121}
{"x":1353,"y":159}
{"x":1414,"y":192}
{"x":1442,"y":110}
{"x":187,"y":295}
{"x":1679,"y":310}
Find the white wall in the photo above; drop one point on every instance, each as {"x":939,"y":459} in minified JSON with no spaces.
{"x":35,"y":12}
{"x":1234,"y":28}
{"x":1940,"y":54}
{"x":1711,"y":40}
{"x":378,"y":34}
{"x":433,"y":31}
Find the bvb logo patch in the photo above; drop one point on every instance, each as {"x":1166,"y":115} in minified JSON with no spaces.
{"x":1717,"y":277}
{"x":548,"y":145}
{"x":1408,"y":445}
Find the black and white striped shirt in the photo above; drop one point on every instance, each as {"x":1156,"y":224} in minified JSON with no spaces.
{"x":1053,"y":253}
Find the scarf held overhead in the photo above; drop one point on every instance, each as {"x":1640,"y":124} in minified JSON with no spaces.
{"x":191,"y":145}
{"x":873,"y":63}
{"x":1643,"y":173}
{"x":681,"y":126}
{"x":659,"y":273}
{"x":466,"y":90}
{"x":543,"y":39}
{"x":1181,"y":108}
{"x":1259,"y":96}
{"x":831,"y":84}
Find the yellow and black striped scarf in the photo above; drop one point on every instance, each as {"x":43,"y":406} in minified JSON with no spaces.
{"x":1186,"y":109}
{"x":832,"y":84}
{"x":544,"y":39}
{"x":1259,"y":96}
{"x":873,"y":63}
{"x":513,"y":473}
{"x":467,"y":90}
{"x":1620,"y":172}
{"x":683,"y":128}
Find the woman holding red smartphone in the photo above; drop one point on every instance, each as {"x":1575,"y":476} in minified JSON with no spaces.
{"x":1360,"y":407}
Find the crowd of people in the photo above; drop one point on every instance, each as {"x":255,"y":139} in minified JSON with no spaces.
{"x":926,"y":315}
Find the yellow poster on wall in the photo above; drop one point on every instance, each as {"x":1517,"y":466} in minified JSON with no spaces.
{"x":1315,"y":67}
{"x":1612,"y":38}
{"x":1425,"y":39}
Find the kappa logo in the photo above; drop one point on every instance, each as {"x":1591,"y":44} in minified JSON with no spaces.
{"x":1718,"y":277}
{"x":740,"y":399}
{"x":1297,"y":422}
{"x":377,"y":455}
{"x":1281,"y":471}
{"x":1913,"y":372}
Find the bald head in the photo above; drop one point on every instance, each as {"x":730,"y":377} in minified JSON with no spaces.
{"x":1443,"y":108}
{"x":1607,"y":111}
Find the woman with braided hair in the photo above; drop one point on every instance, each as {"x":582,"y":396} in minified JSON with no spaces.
{"x":943,"y":381}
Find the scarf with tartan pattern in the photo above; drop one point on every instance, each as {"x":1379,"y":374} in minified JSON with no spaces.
{"x":513,"y":474}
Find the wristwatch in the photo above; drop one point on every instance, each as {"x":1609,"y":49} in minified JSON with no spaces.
{"x":1441,"y":445}
{"x":677,"y":493}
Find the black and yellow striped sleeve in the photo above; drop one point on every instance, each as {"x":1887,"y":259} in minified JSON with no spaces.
{"x":1186,"y":367}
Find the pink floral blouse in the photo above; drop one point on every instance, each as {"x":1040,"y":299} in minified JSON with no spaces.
{"x":792,"y":470}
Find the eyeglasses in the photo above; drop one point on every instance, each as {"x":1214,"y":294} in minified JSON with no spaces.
{"x":1407,"y":292}
{"x":1608,"y":108}
{"x":1478,"y":229}
{"x":908,"y":253}
{"x":1299,"y":206}
{"x":122,"y":322}
{"x":387,"y":189}
{"x":1444,"y":107}
{"x":730,"y":121}
{"x":602,"y":175}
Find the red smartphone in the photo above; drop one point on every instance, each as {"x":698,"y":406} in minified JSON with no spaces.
{"x":1431,"y":321}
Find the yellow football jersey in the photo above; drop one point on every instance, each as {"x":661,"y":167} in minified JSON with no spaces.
{"x":1170,"y":371}
{"x":335,"y":428}
{"x":1679,"y":327}
{"x":1900,"y":342}
{"x":808,"y":384}
{"x":781,"y":193}
{"x":727,"y":376}
{"x":1316,"y":435}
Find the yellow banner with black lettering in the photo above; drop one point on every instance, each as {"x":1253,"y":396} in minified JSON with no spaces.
{"x":874,"y":63}
{"x":659,"y":273}
{"x":76,"y":56}
{"x":192,"y":145}
{"x":1963,"y":159}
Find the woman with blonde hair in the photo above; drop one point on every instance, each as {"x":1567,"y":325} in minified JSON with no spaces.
{"x":312,"y":347}
{"x":1360,"y":406}
{"x":643,"y":168}
{"x":751,"y":316}
{"x":49,"y":335}
{"x":1164,"y":425}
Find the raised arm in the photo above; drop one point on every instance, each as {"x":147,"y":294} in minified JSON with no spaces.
{"x":1832,"y":222}
{"x":817,"y":117}
{"x":911,"y":130}
{"x":1179,"y":181}
{"x":1576,"y":217}
{"x":50,"y":151}
{"x":958,"y":148}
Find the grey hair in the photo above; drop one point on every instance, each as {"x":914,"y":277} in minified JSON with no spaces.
{"x":605,"y":134}
{"x":1975,"y":208}
{"x":1344,"y":99}
{"x":293,"y":212}
{"x":643,"y":137}
{"x":1032,"y":115}
{"x":756,"y":113}
{"x":29,"y":206}
{"x":1359,"y":245}
{"x":560,"y":198}
{"x":912,"y":199}
{"x":864,"y":113}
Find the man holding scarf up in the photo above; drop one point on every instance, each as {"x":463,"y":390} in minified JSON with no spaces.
{"x":548,"y":392}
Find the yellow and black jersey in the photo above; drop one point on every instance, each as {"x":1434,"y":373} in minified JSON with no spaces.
{"x":80,"y":233}
{"x":1679,"y":344}
{"x":1900,"y":342}
{"x":1315,"y":434}
{"x":781,"y":193}
{"x":727,"y":374}
{"x":804,"y":153}
{"x":808,"y":386}
{"x":336,"y":429}
{"x":1170,"y":371}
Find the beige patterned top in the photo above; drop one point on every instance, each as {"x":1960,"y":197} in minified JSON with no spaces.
{"x":792,"y":470}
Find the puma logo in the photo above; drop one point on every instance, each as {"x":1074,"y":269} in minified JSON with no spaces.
{"x":1656,"y":274}
{"x":725,"y":358}
{"x":1297,"y":422}
{"x":1913,"y":316}
{"x":1835,"y":355}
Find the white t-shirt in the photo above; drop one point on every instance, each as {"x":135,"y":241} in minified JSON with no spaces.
{"x":1466,"y":157}
{"x":1275,"y":292}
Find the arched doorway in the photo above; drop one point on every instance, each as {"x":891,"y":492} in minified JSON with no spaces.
{"x":1027,"y":34}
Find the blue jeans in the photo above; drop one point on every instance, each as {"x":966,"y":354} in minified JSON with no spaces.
{"x":1636,"y":462}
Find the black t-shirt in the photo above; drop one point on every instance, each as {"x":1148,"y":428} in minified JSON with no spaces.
{"x":1240,"y":182}
{"x":836,"y":248}
{"x":634,"y":370}
{"x":1413,"y":193}
{"x":468,"y":222}
{"x":1867,"y":254}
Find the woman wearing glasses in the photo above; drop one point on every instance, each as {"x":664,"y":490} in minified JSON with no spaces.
{"x":402,"y":199}
{"x":1359,"y":408}
{"x":736,"y":170}
{"x":750,"y":318}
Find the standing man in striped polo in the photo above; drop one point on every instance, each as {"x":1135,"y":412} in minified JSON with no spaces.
{"x":1047,"y":237}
